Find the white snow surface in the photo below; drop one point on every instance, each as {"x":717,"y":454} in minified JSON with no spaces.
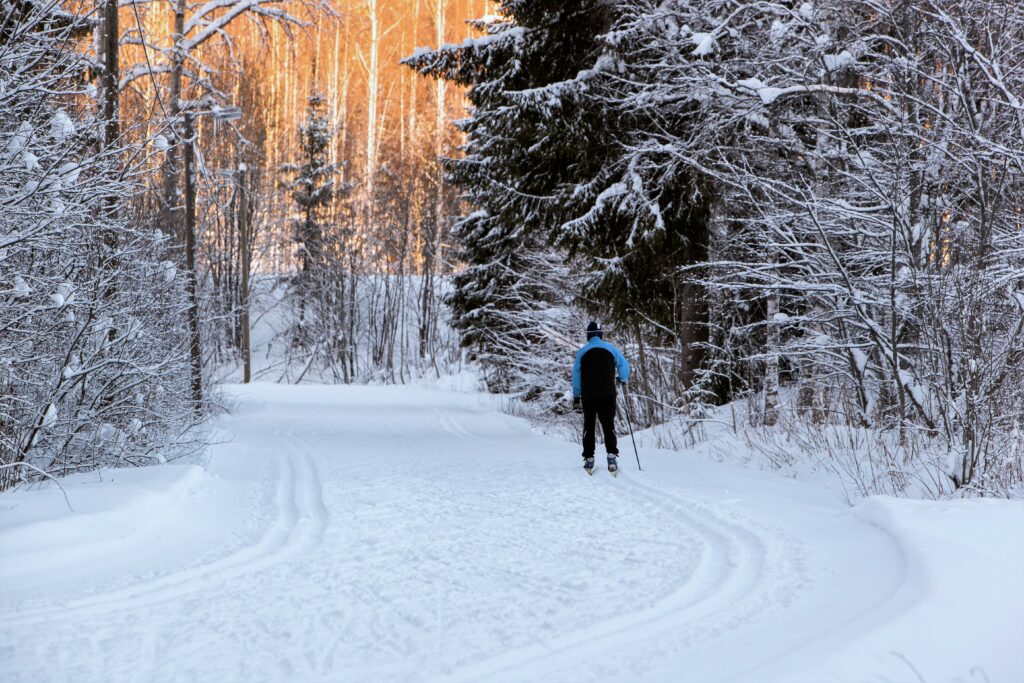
{"x":369,"y":533}
{"x":704,"y":42}
{"x":839,"y":61}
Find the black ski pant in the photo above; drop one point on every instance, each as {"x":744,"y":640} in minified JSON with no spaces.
{"x":603,"y":409}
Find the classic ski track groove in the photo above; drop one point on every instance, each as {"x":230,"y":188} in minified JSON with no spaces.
{"x":730,"y":569}
{"x":453,"y":426}
{"x":298,"y":525}
{"x":715,"y":569}
{"x":792,"y":550}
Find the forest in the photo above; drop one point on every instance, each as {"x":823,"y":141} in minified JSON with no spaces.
{"x":801,"y":218}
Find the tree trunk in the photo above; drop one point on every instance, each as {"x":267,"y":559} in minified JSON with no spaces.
{"x":245,"y":255}
{"x":191,"y":281}
{"x":771,"y":375}
{"x":171,"y":169}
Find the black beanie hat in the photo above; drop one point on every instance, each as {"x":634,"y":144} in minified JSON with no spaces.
{"x":594,"y":330}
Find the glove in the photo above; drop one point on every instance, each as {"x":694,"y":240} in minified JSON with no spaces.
{"x":621,"y":382}
{"x":577,"y":404}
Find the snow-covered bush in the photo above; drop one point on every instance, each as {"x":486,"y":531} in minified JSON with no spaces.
{"x":91,"y":371}
{"x":868,"y":159}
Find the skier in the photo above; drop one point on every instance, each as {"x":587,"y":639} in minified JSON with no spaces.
{"x":594,"y":373}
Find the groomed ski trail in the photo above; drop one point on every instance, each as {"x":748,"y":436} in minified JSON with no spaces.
{"x":410,"y":534}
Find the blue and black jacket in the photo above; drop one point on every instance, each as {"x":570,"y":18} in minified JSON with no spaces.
{"x":595,"y":369}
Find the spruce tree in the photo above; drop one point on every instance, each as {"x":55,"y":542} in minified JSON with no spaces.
{"x":551,"y":163}
{"x":313,"y":189}
{"x":525,"y":144}
{"x":637,"y":215}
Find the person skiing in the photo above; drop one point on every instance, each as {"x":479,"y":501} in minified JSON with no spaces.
{"x":597,"y":367}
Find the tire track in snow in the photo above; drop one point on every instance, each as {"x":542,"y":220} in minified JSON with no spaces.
{"x":298,"y":526}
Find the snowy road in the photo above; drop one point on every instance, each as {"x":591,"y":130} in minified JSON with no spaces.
{"x":408,"y":534}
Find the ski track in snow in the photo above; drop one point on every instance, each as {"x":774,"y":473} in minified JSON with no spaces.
{"x":297,"y":526}
{"x":414,"y":535}
{"x":730,"y":567}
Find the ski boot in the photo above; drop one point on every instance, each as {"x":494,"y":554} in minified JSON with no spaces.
{"x":613,"y":464}
{"x":588,"y":464}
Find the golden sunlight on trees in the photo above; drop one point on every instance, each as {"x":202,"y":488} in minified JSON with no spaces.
{"x":387,"y":119}
{"x":245,"y":71}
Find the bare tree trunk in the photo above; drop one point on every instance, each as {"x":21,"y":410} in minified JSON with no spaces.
{"x":171,"y":170}
{"x":771,"y":374}
{"x":245,"y":254}
{"x":372,"y":96}
{"x":111,"y":73}
{"x":432,"y":239}
{"x":644,"y":375}
{"x":110,"y":113}
{"x":693,"y":331}
{"x":191,"y":280}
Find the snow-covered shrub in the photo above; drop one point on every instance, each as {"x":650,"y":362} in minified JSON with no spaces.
{"x":91,"y":370}
{"x":868,"y":160}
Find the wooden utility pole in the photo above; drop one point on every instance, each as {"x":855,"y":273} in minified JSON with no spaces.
{"x":191,"y":282}
{"x":244,"y":235}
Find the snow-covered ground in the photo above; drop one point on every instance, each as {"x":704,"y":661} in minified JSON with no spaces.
{"x":405,"y":534}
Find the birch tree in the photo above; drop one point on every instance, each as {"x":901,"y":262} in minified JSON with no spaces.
{"x":192,"y":28}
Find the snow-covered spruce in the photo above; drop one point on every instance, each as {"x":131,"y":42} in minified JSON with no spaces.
{"x":865,"y":167}
{"x":560,"y":225}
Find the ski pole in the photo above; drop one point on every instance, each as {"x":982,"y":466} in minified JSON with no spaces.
{"x":629,"y":423}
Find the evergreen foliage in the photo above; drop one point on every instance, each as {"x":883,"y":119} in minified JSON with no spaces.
{"x":523,"y":147}
{"x":546,"y":167}
{"x":825,"y":196}
{"x":319,"y":287}
{"x":313,"y":190}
